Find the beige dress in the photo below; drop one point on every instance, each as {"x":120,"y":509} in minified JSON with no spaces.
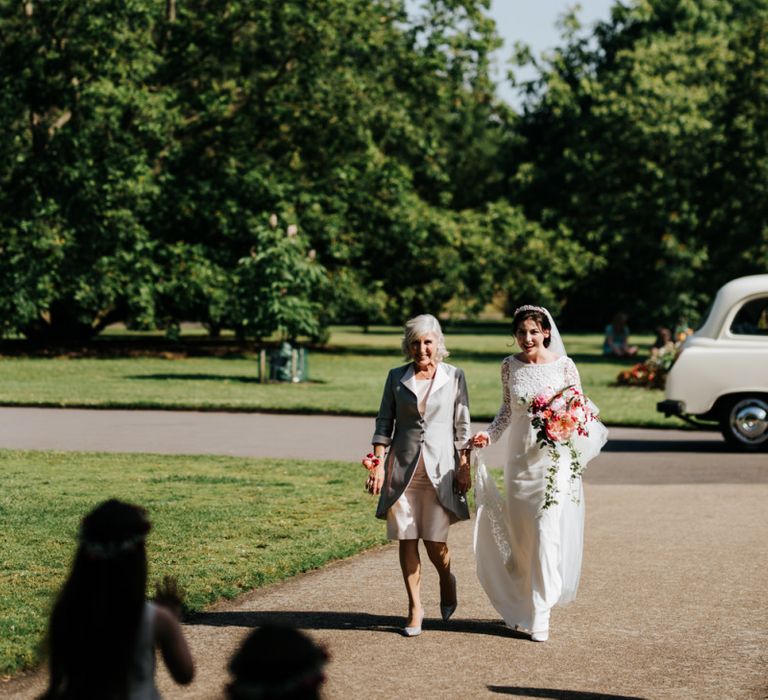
{"x":418,"y":514}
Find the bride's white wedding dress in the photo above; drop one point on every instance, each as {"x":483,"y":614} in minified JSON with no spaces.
{"x":529,"y":559}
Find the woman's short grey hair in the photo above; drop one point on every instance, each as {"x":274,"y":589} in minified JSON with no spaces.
{"x":418,"y":327}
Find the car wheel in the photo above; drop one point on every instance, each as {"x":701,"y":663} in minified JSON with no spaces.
{"x":744,"y":423}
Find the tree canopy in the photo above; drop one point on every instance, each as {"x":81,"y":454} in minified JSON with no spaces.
{"x":647,"y":140}
{"x":147,"y":145}
{"x":279,"y":166}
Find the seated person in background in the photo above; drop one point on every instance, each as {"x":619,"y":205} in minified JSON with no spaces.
{"x":664,"y":342}
{"x":616,"y":343}
{"x":277,"y":662}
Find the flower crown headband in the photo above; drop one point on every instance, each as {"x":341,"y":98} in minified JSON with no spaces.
{"x":111,"y":549}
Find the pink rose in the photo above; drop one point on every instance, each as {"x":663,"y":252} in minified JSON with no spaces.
{"x":561,"y":428}
{"x":543,"y":398}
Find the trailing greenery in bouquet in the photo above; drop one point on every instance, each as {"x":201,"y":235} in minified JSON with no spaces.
{"x":557,"y":416}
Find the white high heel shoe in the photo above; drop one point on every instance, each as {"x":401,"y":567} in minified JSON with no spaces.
{"x":414,"y":631}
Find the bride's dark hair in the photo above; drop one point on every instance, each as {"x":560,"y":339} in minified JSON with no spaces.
{"x":95,"y":622}
{"x":537,"y":316}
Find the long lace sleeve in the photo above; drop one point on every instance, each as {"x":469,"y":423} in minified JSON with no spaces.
{"x":499,"y":424}
{"x":572,"y":377}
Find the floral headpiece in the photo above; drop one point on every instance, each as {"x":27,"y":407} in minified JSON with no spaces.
{"x":111,"y":549}
{"x":529,"y":307}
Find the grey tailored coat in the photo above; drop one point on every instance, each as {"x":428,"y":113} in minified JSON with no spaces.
{"x":440,"y":433}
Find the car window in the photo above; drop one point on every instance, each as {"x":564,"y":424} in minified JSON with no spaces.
{"x":752,"y":318}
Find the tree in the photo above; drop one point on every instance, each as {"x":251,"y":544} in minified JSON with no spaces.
{"x":370,"y":131}
{"x":629,"y":139}
{"x":277,"y":288}
{"x":146,"y":145}
{"x":84,"y":133}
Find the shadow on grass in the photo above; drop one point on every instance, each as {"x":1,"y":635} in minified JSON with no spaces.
{"x":503,"y":327}
{"x":334,"y":620}
{"x":456,"y":356}
{"x":214,"y":378}
{"x":557,"y":693}
{"x":461,"y":355}
{"x":394,"y":353}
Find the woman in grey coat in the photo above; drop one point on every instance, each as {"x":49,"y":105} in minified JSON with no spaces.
{"x":423,"y":422}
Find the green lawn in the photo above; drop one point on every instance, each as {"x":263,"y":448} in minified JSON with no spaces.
{"x":345,"y":379}
{"x":221,"y":525}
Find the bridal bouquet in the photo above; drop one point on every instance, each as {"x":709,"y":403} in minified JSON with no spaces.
{"x":557,"y":416}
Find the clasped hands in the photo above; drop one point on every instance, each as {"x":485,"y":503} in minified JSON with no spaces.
{"x":463,"y":481}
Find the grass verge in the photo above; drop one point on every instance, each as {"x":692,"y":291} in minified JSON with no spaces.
{"x":221,"y":525}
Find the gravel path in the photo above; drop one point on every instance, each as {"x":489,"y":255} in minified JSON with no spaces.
{"x":671,"y":605}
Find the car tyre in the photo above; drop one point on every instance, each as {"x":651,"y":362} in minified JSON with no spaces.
{"x":744,"y":423}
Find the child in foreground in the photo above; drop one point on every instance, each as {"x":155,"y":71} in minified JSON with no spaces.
{"x":103,"y":632}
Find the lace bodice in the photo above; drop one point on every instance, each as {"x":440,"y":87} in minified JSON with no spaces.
{"x":523,"y":380}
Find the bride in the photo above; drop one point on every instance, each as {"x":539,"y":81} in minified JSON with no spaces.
{"x":528,"y":546}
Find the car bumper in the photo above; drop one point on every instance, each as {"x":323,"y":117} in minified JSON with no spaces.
{"x":671,"y":408}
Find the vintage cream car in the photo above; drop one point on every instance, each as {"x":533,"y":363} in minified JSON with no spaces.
{"x":721,"y":373}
